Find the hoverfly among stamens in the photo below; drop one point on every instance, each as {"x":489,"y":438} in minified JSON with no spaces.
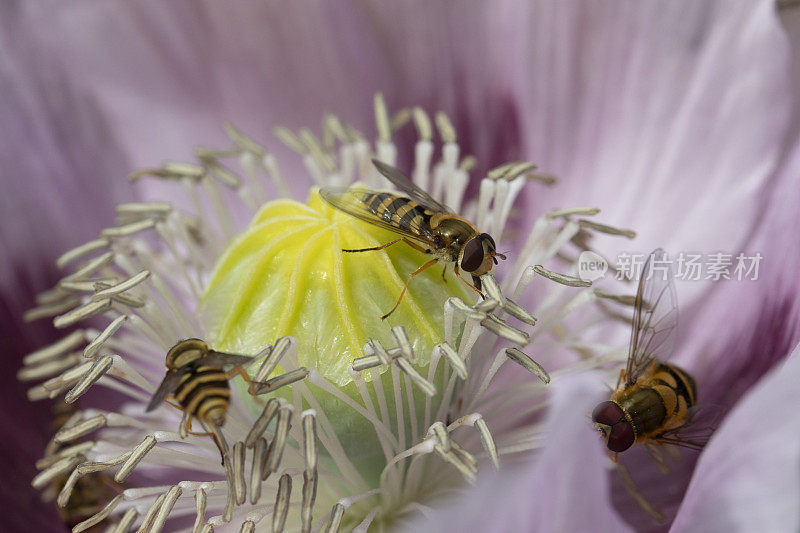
{"x":197,"y":381}
{"x":655,"y":400}
{"x":423,"y":223}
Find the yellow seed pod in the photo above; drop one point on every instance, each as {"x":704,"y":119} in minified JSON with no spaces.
{"x":286,"y":274}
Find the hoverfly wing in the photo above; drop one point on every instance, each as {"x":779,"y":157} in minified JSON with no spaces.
{"x":352,"y":202}
{"x":696,"y":432}
{"x":167,"y":386}
{"x":215,"y":358}
{"x":404,"y":184}
{"x":655,"y":317}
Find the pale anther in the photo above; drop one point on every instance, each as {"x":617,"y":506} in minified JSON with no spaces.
{"x":126,"y":230}
{"x":109,"y":330}
{"x":281,"y":381}
{"x":519,"y":312}
{"x":91,"y":266}
{"x":310,"y":439}
{"x":459,"y":305}
{"x":98,"y":369}
{"x":50,"y":473}
{"x":501,"y":329}
{"x":401,"y":338}
{"x":200,"y":507}
{"x":127,"y":520}
{"x":382,"y":118}
{"x":337,"y":512}
{"x":626,"y":299}
{"x":259,"y":455}
{"x":563,"y":279}
{"x":79,"y":251}
{"x":248,"y":526}
{"x":166,"y":507}
{"x":261,"y":423}
{"x":455,"y":360}
{"x":562,"y":213}
{"x":488,"y":442}
{"x":122,"y":286}
{"x":62,"y":346}
{"x":150,"y":516}
{"x":80,"y":429}
{"x":99,"y":517}
{"x":603,"y":228}
{"x":238,"y":473}
{"x":424,"y":385}
{"x":87,"y":310}
{"x":493,"y":289}
{"x":525,"y":361}
{"x":309,"y":495}
{"x":446,"y":130}
{"x":282,"y":503}
{"x":137,"y":455}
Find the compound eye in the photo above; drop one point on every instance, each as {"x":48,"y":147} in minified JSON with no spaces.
{"x":473,"y":255}
{"x":621,"y":437}
{"x":607,"y":413}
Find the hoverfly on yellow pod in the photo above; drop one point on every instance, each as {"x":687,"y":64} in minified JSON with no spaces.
{"x":423,"y":223}
{"x":654,"y":401}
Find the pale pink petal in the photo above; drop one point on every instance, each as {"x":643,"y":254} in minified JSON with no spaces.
{"x":748,"y":478}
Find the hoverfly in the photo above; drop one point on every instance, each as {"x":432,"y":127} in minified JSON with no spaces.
{"x":425,"y":225}
{"x":198,"y":383}
{"x":656,"y":399}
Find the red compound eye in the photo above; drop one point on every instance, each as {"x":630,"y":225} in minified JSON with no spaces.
{"x":607,"y":413}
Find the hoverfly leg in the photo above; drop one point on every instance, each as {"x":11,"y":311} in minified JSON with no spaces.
{"x":381,"y":247}
{"x":417,"y":271}
{"x":467,"y":282}
{"x":633,"y":490}
{"x":251,"y":385}
{"x":621,"y":377}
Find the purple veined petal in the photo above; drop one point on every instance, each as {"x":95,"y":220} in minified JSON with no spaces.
{"x":565,"y":488}
{"x":747,"y":478}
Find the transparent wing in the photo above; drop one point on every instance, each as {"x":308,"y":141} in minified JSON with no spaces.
{"x":215,"y":358}
{"x":697,"y":430}
{"x":655,"y":316}
{"x":352,"y":202}
{"x":407,"y":186}
{"x":167,"y":387}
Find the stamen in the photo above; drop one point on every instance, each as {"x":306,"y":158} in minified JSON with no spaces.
{"x":248,"y":526}
{"x":99,"y":368}
{"x":401,"y":338}
{"x":80,"y":313}
{"x":309,"y":495}
{"x":468,"y":311}
{"x":446,"y":130}
{"x":279,"y":441}
{"x":126,"y":230}
{"x":422,"y":123}
{"x":337,"y":512}
{"x":487,"y":306}
{"x":207,"y":528}
{"x":143,"y":208}
{"x":518,"y":312}
{"x":166,"y":507}
{"x":506,"y":331}
{"x":424,"y":385}
{"x":453,"y":359}
{"x":525,"y":361}
{"x":69,"y":451}
{"x":282,"y":503}
{"x":569,"y":281}
{"x":273,"y":357}
{"x":625,"y":299}
{"x":122,"y":286}
{"x":150,"y":516}
{"x":217,"y":170}
{"x":66,"y":434}
{"x":91,"y":266}
{"x":99,"y":517}
{"x":310,"y":439}
{"x":60,"y":347}
{"x":200,"y":499}
{"x":63,"y":466}
{"x":136,"y":456}
{"x":261,"y":423}
{"x":127,"y":521}
{"x":493,"y":289}
{"x":603,"y":228}
{"x":48,"y":368}
{"x":79,"y":251}
{"x":566,"y":213}
{"x":400,"y":118}
{"x":287,"y":137}
{"x":281,"y":381}
{"x":487,"y":441}
{"x":383,"y":356}
{"x":238,"y":473}
{"x":256,"y":474}
{"x":124,"y":299}
{"x":45,"y":311}
{"x":98,"y":342}
{"x":382,"y":123}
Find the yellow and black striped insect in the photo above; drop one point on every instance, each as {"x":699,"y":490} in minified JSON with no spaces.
{"x":655,"y":400}
{"x":197,"y":381}
{"x":425,"y":224}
